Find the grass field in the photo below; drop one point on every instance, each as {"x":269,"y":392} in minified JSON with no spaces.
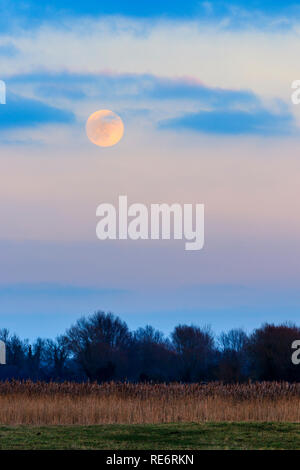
{"x":153,"y":437}
{"x":121,"y":416}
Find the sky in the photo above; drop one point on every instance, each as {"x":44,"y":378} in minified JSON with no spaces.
{"x":204,"y":91}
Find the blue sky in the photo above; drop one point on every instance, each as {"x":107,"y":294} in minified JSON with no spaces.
{"x":48,"y":310}
{"x":204,"y":91}
{"x":21,"y":112}
{"x":174,"y":8}
{"x":236,"y":13}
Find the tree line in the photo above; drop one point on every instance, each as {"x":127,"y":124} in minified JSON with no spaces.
{"x":102,"y":348}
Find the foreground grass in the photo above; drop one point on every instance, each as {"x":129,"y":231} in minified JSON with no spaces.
{"x":153,"y":437}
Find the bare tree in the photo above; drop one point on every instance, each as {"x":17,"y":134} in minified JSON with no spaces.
{"x":100,"y":344}
{"x":233,"y":363}
{"x":56,"y":356}
{"x":270,"y":352}
{"x":194,"y":347}
{"x":154,"y":357}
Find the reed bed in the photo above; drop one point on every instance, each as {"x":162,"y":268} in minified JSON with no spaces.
{"x":67,"y":403}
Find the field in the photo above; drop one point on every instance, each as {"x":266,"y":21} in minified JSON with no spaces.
{"x":38,"y":404}
{"x":149,"y":416}
{"x":209,"y":436}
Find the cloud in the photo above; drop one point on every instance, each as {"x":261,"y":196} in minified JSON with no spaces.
{"x":208,"y":109}
{"x":192,"y":89}
{"x":233,"y":122}
{"x":8,"y":50}
{"x":132,"y":86}
{"x":64,"y":91}
{"x":59,"y":290}
{"x":24,"y":112}
{"x":237,"y":59}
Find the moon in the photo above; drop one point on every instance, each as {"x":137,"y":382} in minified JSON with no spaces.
{"x":104,"y":128}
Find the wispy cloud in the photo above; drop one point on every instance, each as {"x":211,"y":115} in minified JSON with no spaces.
{"x":25,"y":112}
{"x":259,"y":122}
{"x":132,"y":85}
{"x":7,"y":49}
{"x":208,"y":109}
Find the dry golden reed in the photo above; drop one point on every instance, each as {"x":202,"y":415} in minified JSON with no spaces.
{"x":69,"y":403}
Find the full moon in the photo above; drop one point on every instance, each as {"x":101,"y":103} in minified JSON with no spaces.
{"x":104,"y":128}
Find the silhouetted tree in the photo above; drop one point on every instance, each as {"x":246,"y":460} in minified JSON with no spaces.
{"x":56,"y":357}
{"x":16,"y":356}
{"x":100,"y":345}
{"x":34,"y":361}
{"x":154,"y":357}
{"x":233,"y":363}
{"x":270,"y":352}
{"x":194,"y":347}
